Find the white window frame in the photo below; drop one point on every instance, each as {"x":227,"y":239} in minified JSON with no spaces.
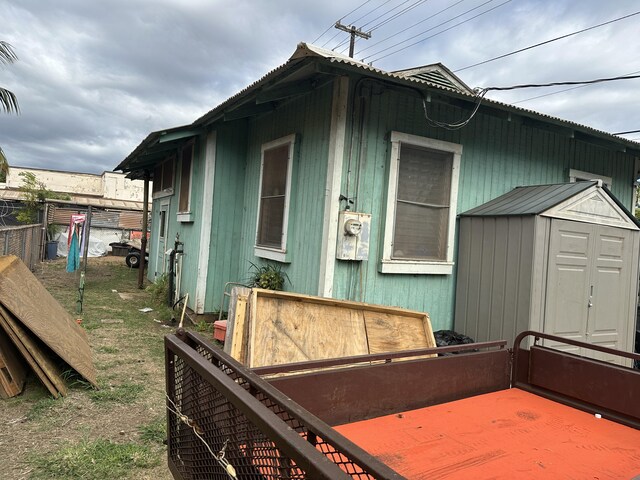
{"x":579,"y":175}
{"x":277,"y":254}
{"x":185,"y":216}
{"x":388,"y":264}
{"x":167,"y":191}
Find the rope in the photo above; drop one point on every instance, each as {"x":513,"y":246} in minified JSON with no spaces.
{"x":219,"y":457}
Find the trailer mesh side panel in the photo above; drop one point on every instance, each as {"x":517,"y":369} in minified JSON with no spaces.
{"x":206,"y":423}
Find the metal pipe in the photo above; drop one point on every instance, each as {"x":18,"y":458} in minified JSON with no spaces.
{"x":145,"y":228}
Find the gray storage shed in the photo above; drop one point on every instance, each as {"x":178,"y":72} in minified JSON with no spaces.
{"x":561,"y":259}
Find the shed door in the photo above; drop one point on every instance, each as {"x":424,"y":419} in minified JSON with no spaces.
{"x":588,"y":284}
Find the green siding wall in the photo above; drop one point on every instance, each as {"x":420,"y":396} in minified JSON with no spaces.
{"x":226,"y":222}
{"x":497,"y":156}
{"x":309,"y":117}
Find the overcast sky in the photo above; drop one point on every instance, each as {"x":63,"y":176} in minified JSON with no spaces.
{"x":95,"y":77}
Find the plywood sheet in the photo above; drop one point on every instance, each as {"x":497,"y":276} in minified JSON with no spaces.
{"x":27,"y":352}
{"x":29,"y":302}
{"x":392,"y":333}
{"x":286,"y":331}
{"x":12,"y":369}
{"x":287,"y":328}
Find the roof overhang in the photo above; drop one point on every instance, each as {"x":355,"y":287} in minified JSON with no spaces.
{"x":155,"y":148}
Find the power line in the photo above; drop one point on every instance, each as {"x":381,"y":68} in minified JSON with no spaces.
{"x":562,"y":91}
{"x":409,"y":28}
{"x":435,"y":34}
{"x":331,"y":26}
{"x":557,"y":84}
{"x":370,"y":12}
{"x":547,"y":41}
{"x":400,"y":13}
{"x":624,"y":133}
{"x":386,"y":13}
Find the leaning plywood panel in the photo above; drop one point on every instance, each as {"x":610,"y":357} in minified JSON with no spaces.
{"x":12,"y":369}
{"x":27,"y":299}
{"x":287,"y":332}
{"x":27,"y":350}
{"x":287,"y":327}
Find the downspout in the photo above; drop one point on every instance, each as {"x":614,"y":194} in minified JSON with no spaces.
{"x":145,"y":229}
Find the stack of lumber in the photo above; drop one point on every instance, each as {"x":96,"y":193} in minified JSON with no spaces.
{"x":268,"y":328}
{"x":37,"y":333}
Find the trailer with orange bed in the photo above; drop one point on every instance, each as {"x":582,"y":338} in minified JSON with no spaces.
{"x":478,"y":411}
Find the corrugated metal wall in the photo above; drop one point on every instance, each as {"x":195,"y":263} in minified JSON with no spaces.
{"x":116,"y":219}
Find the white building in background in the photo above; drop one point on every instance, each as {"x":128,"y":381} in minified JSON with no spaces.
{"x":116,"y":203}
{"x":108,"y":185}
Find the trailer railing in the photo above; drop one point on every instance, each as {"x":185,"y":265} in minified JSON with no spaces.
{"x":224,"y":422}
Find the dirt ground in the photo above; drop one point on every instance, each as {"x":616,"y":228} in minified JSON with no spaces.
{"x":127,"y":346}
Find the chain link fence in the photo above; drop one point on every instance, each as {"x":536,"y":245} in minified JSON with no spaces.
{"x":25,"y":242}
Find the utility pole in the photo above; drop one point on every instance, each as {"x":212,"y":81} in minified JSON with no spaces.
{"x":353,"y":31}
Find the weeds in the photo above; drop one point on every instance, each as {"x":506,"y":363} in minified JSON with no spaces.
{"x":269,"y":276}
{"x":160,"y":289}
{"x":92,"y":460}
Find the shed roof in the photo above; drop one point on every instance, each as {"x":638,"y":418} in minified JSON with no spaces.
{"x":529,"y":200}
{"x":561,"y":200}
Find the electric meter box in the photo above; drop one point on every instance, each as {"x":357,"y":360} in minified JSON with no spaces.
{"x":353,"y":235}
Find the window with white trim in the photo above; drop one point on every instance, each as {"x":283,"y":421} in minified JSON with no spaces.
{"x":163,"y":177}
{"x":184,"y":200}
{"x":273,"y":199}
{"x":580,"y":176}
{"x":421,"y":205}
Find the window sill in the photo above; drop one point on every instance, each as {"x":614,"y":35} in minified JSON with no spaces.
{"x":185,"y":217}
{"x":416,"y":268}
{"x":164,"y":193}
{"x":272,"y":254}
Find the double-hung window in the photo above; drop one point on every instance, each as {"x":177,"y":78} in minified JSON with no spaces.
{"x":273,"y":199}
{"x":421,"y":205}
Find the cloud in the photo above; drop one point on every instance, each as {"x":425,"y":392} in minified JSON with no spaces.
{"x":94,"y":78}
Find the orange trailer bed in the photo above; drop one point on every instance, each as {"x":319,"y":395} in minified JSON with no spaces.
{"x":501,"y":435}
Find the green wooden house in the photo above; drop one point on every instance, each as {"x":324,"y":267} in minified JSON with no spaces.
{"x":351,"y":178}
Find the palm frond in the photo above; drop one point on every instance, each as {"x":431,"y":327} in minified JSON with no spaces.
{"x":7,"y":55}
{"x":4,"y":164}
{"x":8,"y":101}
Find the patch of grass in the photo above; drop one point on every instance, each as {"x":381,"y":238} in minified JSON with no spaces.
{"x":154,"y":432}
{"x":42,"y":407}
{"x":92,"y":460}
{"x":108,"y":349}
{"x":124,"y":394}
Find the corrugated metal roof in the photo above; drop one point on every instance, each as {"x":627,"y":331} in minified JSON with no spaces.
{"x":306,"y":51}
{"x":100,"y":202}
{"x":532,"y":200}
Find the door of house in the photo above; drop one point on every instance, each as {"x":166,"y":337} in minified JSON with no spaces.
{"x":163,"y":226}
{"x":588,"y":285}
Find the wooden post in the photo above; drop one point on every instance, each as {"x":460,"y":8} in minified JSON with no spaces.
{"x":85,"y":253}
{"x":145,"y":227}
